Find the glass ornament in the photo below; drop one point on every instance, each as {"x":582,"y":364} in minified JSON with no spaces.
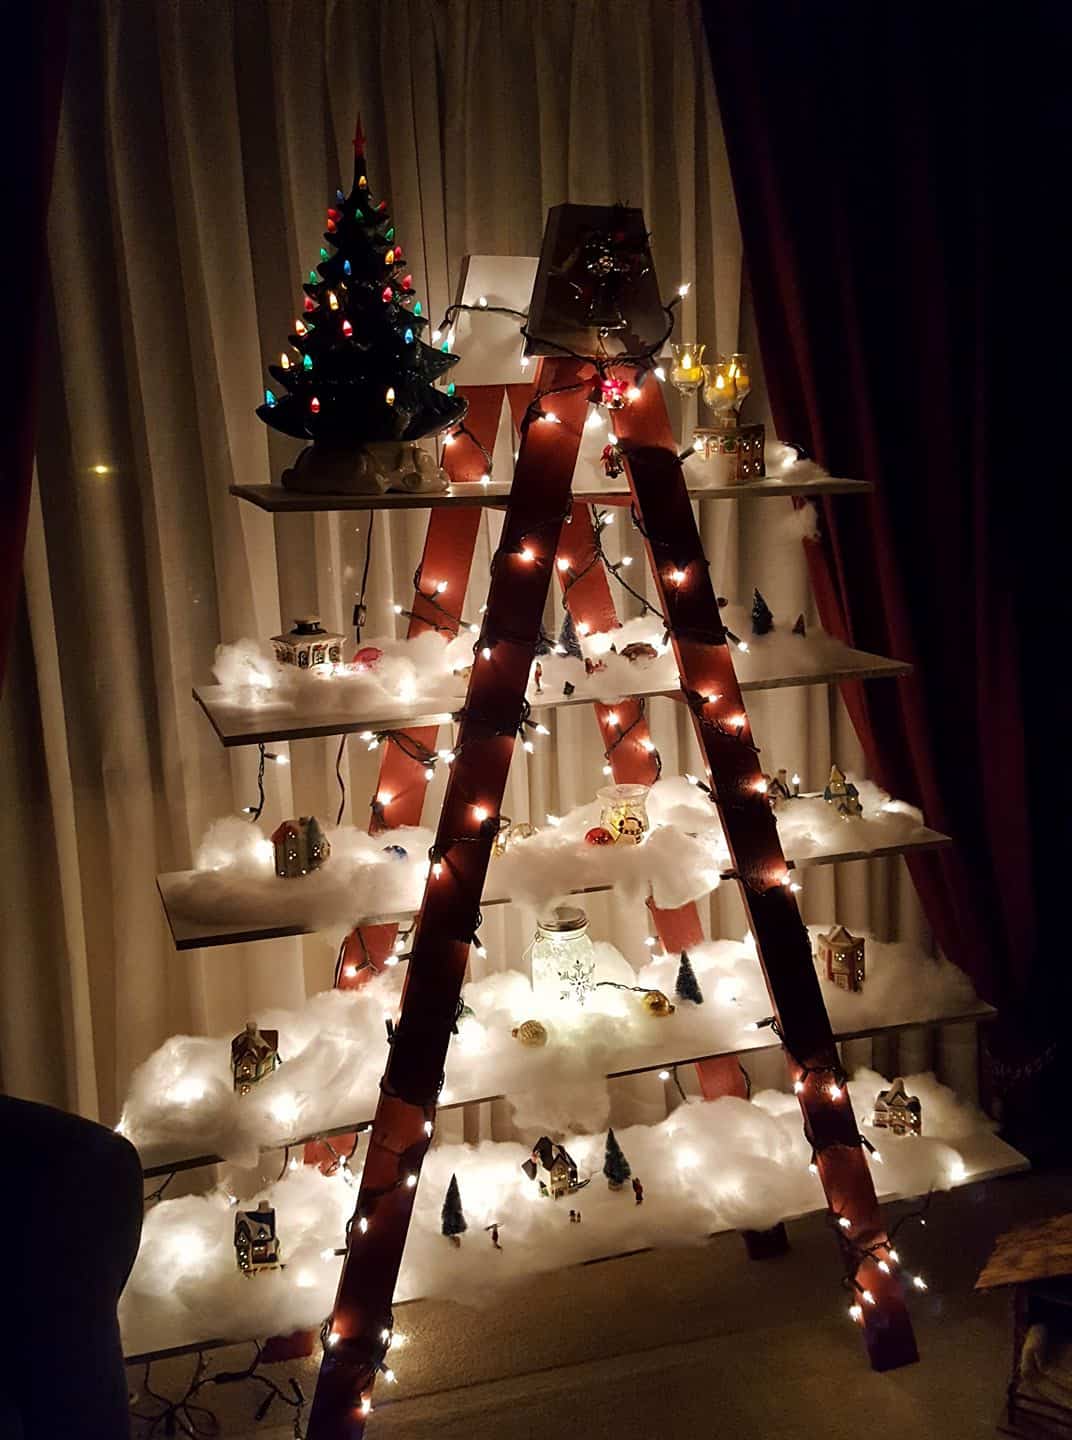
{"x":624,"y":812}
{"x":563,"y":957}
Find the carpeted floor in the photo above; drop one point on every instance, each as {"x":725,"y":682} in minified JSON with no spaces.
{"x":697,"y":1342}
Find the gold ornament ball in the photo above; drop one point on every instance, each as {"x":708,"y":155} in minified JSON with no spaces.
{"x":656,"y":1003}
{"x":530,"y":1032}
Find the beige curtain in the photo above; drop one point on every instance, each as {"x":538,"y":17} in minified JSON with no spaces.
{"x":200,"y":142}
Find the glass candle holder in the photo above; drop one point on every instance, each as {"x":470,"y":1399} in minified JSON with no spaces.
{"x":563,"y":957}
{"x":687,"y":371}
{"x":726,"y":384}
{"x":624,"y":814}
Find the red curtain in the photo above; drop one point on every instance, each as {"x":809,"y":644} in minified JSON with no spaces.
{"x":35,"y":36}
{"x":890,"y":169}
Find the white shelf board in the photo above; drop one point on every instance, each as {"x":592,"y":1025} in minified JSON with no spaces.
{"x":496,"y":494}
{"x":636,"y":1060}
{"x":237,"y":724}
{"x":985,"y":1157}
{"x":190,"y":933}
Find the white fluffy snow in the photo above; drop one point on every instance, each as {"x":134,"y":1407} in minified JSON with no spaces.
{"x":424,"y":673}
{"x":181,"y":1100}
{"x":235,"y":882}
{"x":707,"y":1167}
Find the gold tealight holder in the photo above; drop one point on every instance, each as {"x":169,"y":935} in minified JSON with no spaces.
{"x":726,"y":385}
{"x":687,"y":371}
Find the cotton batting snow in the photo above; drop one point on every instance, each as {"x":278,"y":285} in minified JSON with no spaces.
{"x":334,"y":1050}
{"x":725,"y":1164}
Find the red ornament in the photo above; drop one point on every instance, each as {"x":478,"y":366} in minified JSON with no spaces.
{"x":309,"y":304}
{"x":598,"y":835}
{"x":314,"y":405}
{"x":347,"y":328}
{"x":388,"y":294}
{"x":613,"y":394}
{"x":368,"y":657}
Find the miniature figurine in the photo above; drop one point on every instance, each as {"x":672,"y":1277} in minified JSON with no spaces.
{"x":843,"y":958}
{"x":255,"y":1241}
{"x":254,"y":1054}
{"x":638,"y":1191}
{"x":897,"y":1111}
{"x":843,"y":795}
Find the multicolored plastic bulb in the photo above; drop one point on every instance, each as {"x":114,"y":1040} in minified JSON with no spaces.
{"x":408,"y":337}
{"x":407,"y":281}
{"x":307,"y":362}
{"x":362,"y":183}
{"x":387,"y":294}
{"x":389,"y":234}
{"x":390,"y":396}
{"x":445,"y":347}
{"x":269,"y":398}
{"x":314,"y":405}
{"x":389,"y":258}
{"x":323,"y":253}
{"x":309,"y":304}
{"x":417,"y":309}
{"x":299,"y":328}
{"x":333,"y":300}
{"x":347,"y":329}
{"x":346,"y":267}
{"x":339,"y":196}
{"x":284,"y":360}
{"x":451,"y":388}
{"x":314,"y":278}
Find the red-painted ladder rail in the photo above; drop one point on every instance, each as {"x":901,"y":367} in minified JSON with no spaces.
{"x":630,"y":751}
{"x":709,"y":685}
{"x":360,"y":1325}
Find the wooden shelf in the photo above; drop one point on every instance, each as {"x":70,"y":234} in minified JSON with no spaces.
{"x":190,"y":933}
{"x":640,"y":1060}
{"x":236,"y":724}
{"x":496,"y":493}
{"x":985,"y":1156}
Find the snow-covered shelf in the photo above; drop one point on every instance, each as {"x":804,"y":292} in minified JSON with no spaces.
{"x":978,"y":1014}
{"x":707,"y":1169}
{"x":261,"y":721}
{"x":234,"y":895}
{"x":496,"y":493}
{"x":181,"y":1107}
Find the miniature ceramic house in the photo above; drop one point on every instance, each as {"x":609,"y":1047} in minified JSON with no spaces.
{"x":898,"y":1111}
{"x":254,"y":1054}
{"x":559,"y":1169}
{"x":255,"y":1241}
{"x":843,"y":795}
{"x":742,"y":444}
{"x":308,"y":645}
{"x":842,"y":956}
{"x":300,"y":846}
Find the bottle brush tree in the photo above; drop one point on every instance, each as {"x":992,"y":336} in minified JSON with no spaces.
{"x":454,"y":1221}
{"x":687,"y":986}
{"x":615,"y":1165}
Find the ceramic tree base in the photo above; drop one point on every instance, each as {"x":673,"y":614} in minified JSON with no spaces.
{"x":373,"y":470}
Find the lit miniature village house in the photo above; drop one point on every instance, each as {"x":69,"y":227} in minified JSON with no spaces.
{"x":843,"y":795}
{"x":255,"y":1241}
{"x":300,"y":846}
{"x":308,"y":645}
{"x":842,"y":957}
{"x":897,"y":1111}
{"x":254,"y":1054}
{"x":558,"y":1166}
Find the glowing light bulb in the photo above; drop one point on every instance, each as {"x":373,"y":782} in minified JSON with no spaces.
{"x":660,"y":373}
{"x":834,"y":1091}
{"x":527,"y":554}
{"x":486,"y":652}
{"x":743,"y":646}
{"x":607,"y":770}
{"x":362,"y":1225}
{"x":411,"y":1181}
{"x":350,"y":971}
{"x":284,"y":360}
{"x":384,"y":797}
{"x":894,"y":1255}
{"x":856,"y":1312}
{"x":437,"y":869}
{"x":796,"y":779}
{"x":333,"y":1338}
{"x":583,"y":627}
{"x":698,"y":445}
{"x":612,"y":717}
{"x":844,"y":1222}
{"x":738,"y":721}
{"x":562,"y":563}
{"x":712,"y":699}
{"x":798,"y":1087}
{"x":390,"y":395}
{"x":389,"y":1375}
{"x":441,"y":587}
{"x":876,"y":1156}
{"x":428,"y":1127}
{"x":647,"y":744}
{"x":884,"y":1267}
{"x":482,"y":301}
{"x":686,"y":360}
{"x":554,"y":821}
{"x":664,"y":1074}
{"x":761,"y":787}
{"x":485,"y":479}
{"x":480,"y":812}
{"x":633,"y":393}
{"x":333,"y":300}
{"x":650,"y":941}
{"x":314,"y":405}
{"x":366,"y":1405}
{"x":347,"y":329}
{"x":446,"y":756}
{"x":429,"y":773}
{"x":867,"y":1297}
{"x":813,"y":1169}
{"x":919,"y":1282}
{"x":528,"y":747}
{"x":474,"y":629}
{"x":626,"y":560}
{"x":677,"y":577}
{"x":683,"y":290}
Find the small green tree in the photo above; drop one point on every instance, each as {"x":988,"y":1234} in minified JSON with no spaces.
{"x":687,"y":986}
{"x":568,"y":639}
{"x":454,"y":1221}
{"x":615,"y":1165}
{"x":762,"y":618}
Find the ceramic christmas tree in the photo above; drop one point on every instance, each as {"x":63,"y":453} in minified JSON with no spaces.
{"x":357,"y":379}
{"x":762,"y":618}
